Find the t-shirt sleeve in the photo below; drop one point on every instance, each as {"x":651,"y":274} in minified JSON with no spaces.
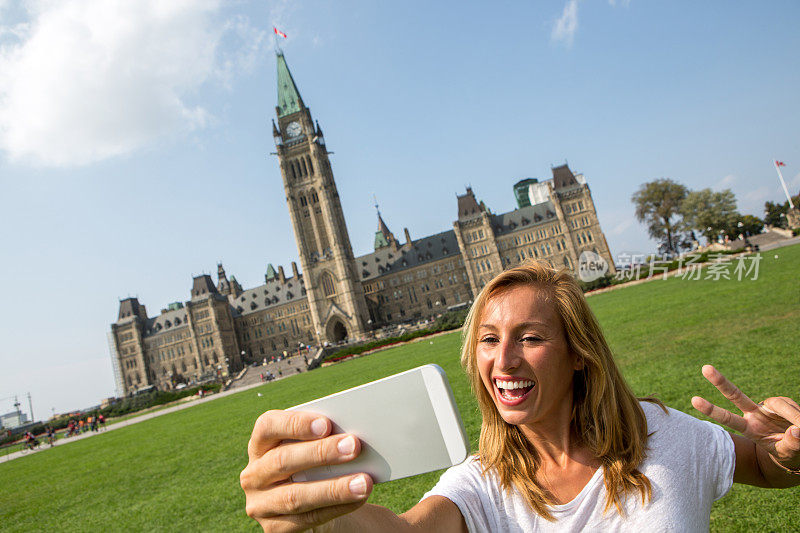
{"x":722,"y":457}
{"x":702,"y":449}
{"x":464,"y":486}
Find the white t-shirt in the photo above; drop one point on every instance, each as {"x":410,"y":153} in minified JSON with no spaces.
{"x":689,"y":464}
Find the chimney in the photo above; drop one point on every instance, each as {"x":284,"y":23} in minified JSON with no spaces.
{"x":294,"y":271}
{"x":281,"y":274}
{"x":408,"y":235}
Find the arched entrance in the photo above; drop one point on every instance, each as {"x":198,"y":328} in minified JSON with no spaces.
{"x":336,"y":330}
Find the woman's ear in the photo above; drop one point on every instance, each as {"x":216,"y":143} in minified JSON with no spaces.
{"x":577,"y":362}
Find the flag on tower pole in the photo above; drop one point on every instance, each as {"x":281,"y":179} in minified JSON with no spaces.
{"x":279,"y":32}
{"x":778,"y":165}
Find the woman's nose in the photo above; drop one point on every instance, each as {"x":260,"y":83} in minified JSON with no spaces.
{"x":508,"y":356}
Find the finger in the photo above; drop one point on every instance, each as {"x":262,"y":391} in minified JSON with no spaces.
{"x":788,"y":448}
{"x":274,"y":426}
{"x":728,"y":389}
{"x":302,"y":522}
{"x":299,"y":498}
{"x":785,"y":408}
{"x":282,"y":461}
{"x":724,"y":417}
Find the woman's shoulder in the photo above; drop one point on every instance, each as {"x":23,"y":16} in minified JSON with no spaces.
{"x":667,"y":423}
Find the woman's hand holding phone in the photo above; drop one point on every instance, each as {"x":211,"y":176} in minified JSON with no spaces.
{"x":284,"y":443}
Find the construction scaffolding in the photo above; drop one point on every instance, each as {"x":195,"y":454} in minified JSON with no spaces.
{"x":119,"y":384}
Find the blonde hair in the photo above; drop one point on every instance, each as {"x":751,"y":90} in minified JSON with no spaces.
{"x":606,"y":416}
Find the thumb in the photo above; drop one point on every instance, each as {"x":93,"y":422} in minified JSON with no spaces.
{"x":788,"y":447}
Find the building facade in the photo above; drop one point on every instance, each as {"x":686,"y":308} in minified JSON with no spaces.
{"x":335,"y":295}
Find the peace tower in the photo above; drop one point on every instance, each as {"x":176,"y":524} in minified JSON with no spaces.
{"x":335,"y":295}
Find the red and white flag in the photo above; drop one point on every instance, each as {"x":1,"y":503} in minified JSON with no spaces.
{"x":779,"y":163}
{"x":279,"y":32}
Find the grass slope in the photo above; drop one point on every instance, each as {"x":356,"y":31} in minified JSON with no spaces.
{"x":180,"y":471}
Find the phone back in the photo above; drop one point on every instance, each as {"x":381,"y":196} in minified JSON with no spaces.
{"x":408,"y":424}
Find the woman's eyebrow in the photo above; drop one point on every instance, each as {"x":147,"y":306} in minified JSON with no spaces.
{"x":521,"y":325}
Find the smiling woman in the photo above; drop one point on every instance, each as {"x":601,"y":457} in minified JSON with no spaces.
{"x":532,"y":324}
{"x":564,"y":445}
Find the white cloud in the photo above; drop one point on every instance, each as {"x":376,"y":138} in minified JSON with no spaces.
{"x":622,"y":227}
{"x":85,"y":80}
{"x":725,"y":183}
{"x":566,"y":26}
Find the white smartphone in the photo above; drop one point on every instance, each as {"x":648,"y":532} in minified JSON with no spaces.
{"x":408,"y":424}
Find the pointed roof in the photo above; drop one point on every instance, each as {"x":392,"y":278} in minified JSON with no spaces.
{"x":271,"y":274}
{"x":383,"y":237}
{"x":289,"y":100}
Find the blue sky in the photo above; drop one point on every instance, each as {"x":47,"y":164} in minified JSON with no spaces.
{"x":135,"y":137}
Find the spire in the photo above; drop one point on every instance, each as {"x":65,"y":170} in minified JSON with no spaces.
{"x":271,"y":274}
{"x":383,"y":237}
{"x":223,"y":285}
{"x":289,"y":100}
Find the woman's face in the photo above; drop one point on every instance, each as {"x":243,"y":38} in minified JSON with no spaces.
{"x":523,"y":357}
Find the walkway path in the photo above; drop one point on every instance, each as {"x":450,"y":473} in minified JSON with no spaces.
{"x":134,"y":420}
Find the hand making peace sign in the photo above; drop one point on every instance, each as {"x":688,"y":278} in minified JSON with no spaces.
{"x":773,"y":424}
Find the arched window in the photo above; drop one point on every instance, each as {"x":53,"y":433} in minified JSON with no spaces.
{"x":328,"y":287}
{"x":310,"y":165}
{"x":305,"y":170}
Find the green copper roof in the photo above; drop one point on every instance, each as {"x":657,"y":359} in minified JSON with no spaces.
{"x":289,"y":100}
{"x":380,"y":240}
{"x":271,"y":272}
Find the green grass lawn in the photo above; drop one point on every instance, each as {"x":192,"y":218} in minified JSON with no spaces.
{"x":180,"y":471}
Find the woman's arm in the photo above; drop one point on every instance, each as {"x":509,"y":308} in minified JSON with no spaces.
{"x":433,"y":514}
{"x":768,"y":449}
{"x":284,"y":443}
{"x":755,"y":466}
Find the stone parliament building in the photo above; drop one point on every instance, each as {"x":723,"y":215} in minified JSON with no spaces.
{"x":334,"y":295}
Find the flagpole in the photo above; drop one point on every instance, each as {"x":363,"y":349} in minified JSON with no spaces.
{"x":783,"y":183}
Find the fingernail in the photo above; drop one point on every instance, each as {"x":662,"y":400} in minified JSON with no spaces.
{"x":319,"y":426}
{"x":347,"y":445}
{"x":358,"y":486}
{"x":795,"y":431}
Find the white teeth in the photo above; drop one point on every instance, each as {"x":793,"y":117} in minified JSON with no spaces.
{"x":501,"y":384}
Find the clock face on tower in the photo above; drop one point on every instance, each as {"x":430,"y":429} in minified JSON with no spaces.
{"x":293,"y":129}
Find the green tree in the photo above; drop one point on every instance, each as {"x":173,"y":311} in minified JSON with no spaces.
{"x":658,"y":205}
{"x":775,"y":213}
{"x":746,"y":225}
{"x":709,"y":213}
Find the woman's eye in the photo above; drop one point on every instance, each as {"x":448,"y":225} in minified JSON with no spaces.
{"x":489,"y":340}
{"x":531,"y":338}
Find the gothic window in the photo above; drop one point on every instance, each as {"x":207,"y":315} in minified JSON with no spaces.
{"x":303,"y":164}
{"x":310,"y":166}
{"x":327,"y":284}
